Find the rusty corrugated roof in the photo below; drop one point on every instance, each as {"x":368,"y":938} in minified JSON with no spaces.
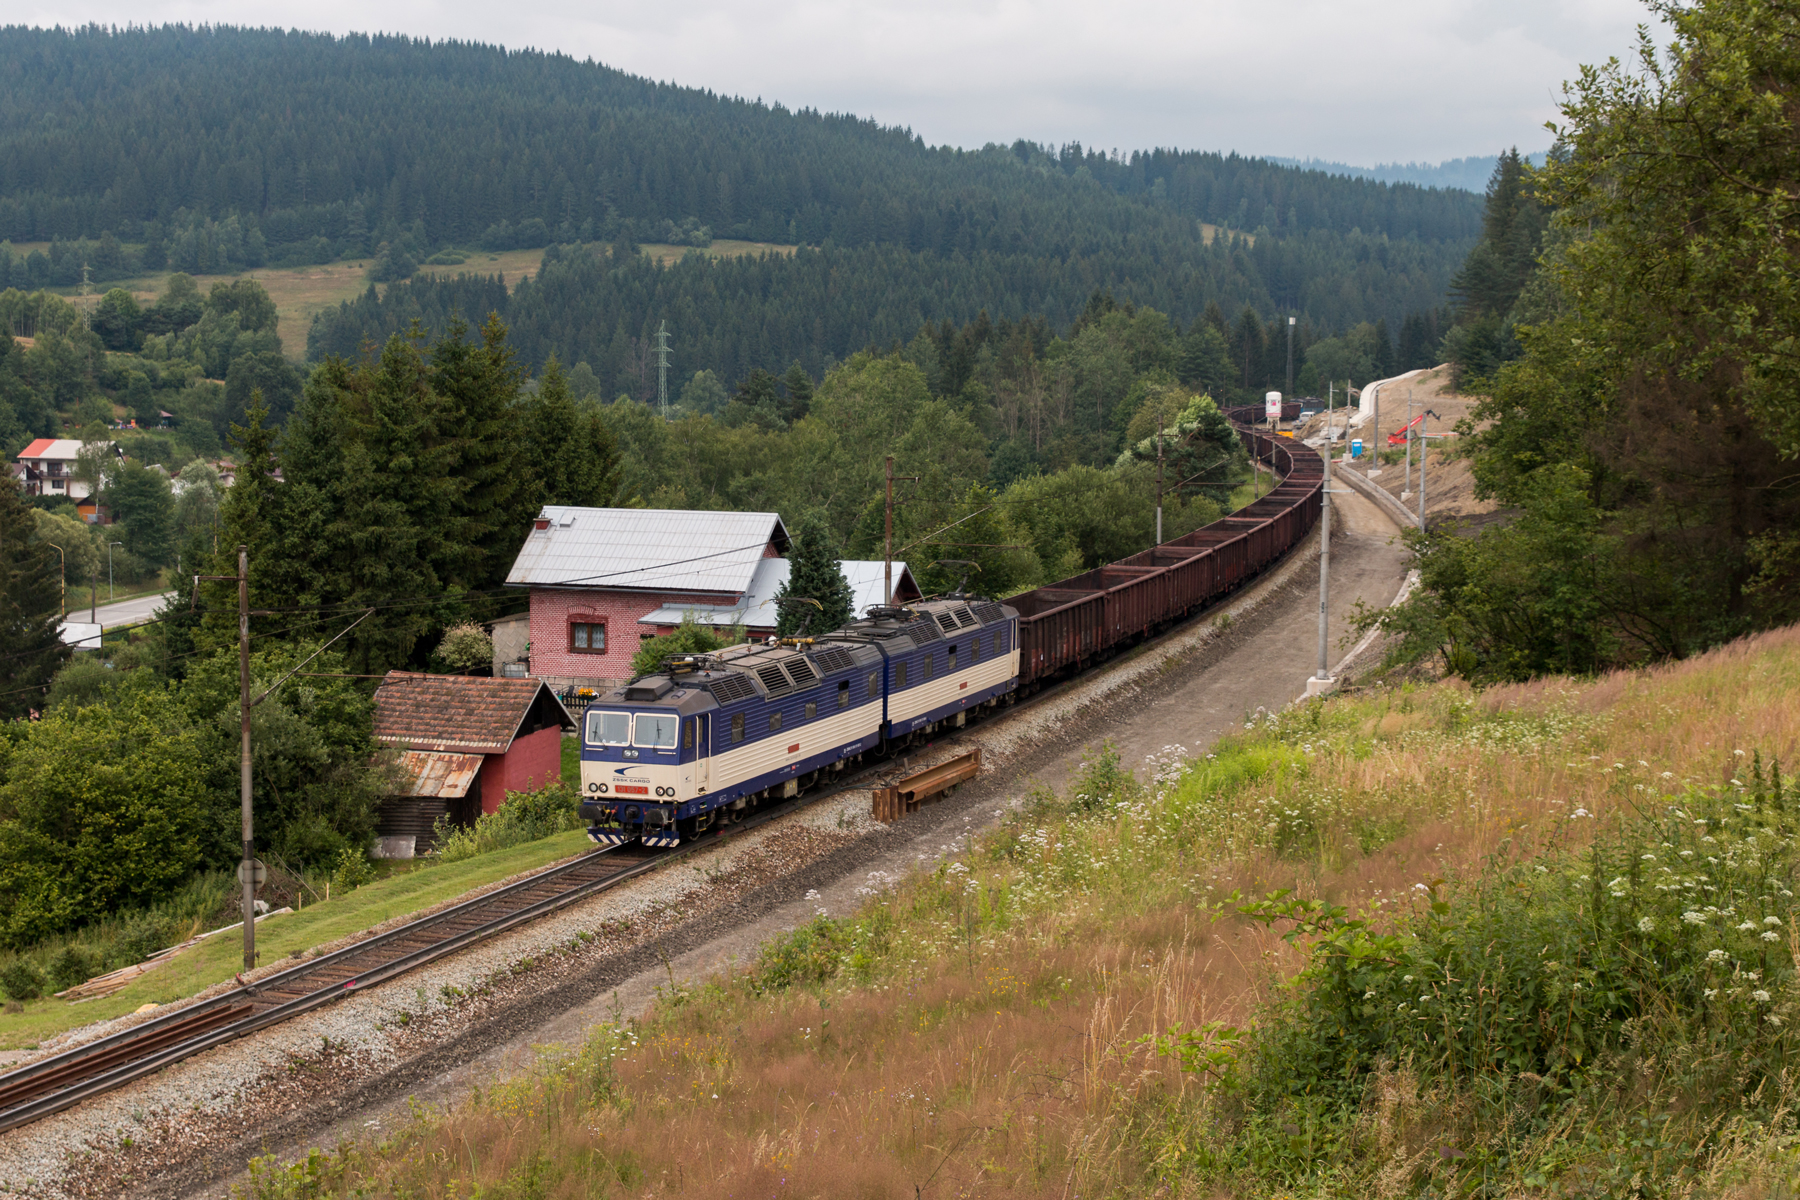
{"x":438,"y":776}
{"x":460,"y":713}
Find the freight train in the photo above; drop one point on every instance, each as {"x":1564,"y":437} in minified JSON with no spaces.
{"x":670,"y":756}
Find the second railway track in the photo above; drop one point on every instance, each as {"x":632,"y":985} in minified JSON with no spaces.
{"x":60,"y":1081}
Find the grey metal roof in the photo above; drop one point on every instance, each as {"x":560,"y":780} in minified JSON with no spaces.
{"x":646,"y":549}
{"x":756,"y":607}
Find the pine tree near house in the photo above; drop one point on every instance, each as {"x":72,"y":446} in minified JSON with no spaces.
{"x":478,"y":384}
{"x":813,"y":572}
{"x":30,"y":608}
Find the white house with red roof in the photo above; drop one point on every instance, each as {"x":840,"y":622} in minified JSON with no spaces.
{"x":50,"y":467}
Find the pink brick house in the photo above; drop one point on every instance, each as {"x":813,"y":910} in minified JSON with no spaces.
{"x":595,"y":573}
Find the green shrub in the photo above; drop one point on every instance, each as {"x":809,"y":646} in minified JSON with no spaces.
{"x":72,"y":965}
{"x":352,"y":870}
{"x":1671,"y":938}
{"x":21,"y":981}
{"x":523,"y":817}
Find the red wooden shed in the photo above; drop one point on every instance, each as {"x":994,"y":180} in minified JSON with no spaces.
{"x":515,"y":725}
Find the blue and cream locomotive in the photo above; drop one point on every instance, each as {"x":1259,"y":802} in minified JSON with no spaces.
{"x":669,"y":756}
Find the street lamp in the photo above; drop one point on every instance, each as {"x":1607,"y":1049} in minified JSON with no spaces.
{"x":109,"y":578}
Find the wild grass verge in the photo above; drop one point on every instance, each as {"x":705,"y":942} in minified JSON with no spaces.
{"x":1538,"y":941}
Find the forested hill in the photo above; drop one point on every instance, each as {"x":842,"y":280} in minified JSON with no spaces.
{"x":309,"y":136}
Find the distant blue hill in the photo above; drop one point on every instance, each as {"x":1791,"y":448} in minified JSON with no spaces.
{"x":1470,"y":174}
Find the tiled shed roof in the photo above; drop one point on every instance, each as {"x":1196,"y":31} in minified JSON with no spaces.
{"x":457,"y":712}
{"x":645,"y":549}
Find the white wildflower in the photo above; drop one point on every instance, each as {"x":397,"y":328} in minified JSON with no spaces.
{"x":1716,"y":956}
{"x":1771,"y":920}
{"x":1646,"y":924}
{"x":1771,"y":936}
{"x":1760,"y":996}
{"x":1693,"y":918}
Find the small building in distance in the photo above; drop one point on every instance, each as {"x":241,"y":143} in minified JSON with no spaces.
{"x":467,"y":741}
{"x":594,"y":573}
{"x":50,"y":470}
{"x":757,"y":611}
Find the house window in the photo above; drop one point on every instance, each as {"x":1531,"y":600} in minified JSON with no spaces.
{"x":844,"y":694}
{"x":587,"y":637}
{"x":737,"y":728}
{"x":900,"y":675}
{"x":812,"y":709}
{"x":774,"y":721}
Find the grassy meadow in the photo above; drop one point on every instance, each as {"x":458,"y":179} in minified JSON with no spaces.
{"x":1538,"y":940}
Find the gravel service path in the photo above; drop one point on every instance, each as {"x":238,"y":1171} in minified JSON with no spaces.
{"x":350,"y":1070}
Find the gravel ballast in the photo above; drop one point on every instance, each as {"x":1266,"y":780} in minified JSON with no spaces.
{"x":184,"y":1130}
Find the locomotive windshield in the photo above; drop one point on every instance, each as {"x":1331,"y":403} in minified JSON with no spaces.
{"x":609,"y":729}
{"x":657,"y":730}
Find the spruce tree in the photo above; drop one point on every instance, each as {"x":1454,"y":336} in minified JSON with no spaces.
{"x":799,"y":392}
{"x":478,"y":385}
{"x":569,"y":454}
{"x":30,"y":608}
{"x":813,"y":572}
{"x":248,"y":516}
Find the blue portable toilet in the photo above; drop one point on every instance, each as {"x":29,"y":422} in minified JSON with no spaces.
{"x":1355,"y":447}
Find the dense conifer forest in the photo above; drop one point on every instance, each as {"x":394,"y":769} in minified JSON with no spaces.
{"x":216,"y":150}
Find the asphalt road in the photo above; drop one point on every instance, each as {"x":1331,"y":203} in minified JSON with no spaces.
{"x":126,"y":612}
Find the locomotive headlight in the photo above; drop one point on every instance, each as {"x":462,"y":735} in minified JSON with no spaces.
{"x":599,"y":787}
{"x":594,"y":787}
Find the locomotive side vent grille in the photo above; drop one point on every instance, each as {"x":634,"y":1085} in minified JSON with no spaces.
{"x":987,"y":614}
{"x":802,"y":671}
{"x":774,"y":680}
{"x":833,"y":658}
{"x":728,"y":688}
{"x":946,"y":620}
{"x":922,"y":631}
{"x":965,"y":618}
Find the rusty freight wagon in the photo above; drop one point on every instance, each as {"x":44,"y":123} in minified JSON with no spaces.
{"x":1066,"y":625}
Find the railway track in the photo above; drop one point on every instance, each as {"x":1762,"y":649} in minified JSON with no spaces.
{"x":66,"y":1079}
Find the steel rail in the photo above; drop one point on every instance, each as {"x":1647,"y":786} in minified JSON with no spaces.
{"x":94,"y":1068}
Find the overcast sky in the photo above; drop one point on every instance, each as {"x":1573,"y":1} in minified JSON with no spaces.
{"x":1358,"y":81}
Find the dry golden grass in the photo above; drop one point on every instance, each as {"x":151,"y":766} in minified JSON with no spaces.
{"x":721,"y":248}
{"x":1001,"y":1026}
{"x":513,"y":265}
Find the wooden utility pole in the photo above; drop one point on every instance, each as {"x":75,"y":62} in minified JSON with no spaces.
{"x":248,"y":869}
{"x":887,"y":551}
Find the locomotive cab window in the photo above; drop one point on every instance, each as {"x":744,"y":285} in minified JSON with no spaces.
{"x":687,"y":734}
{"x":844,"y":694}
{"x":737,"y":728}
{"x":587,"y":637}
{"x":656,"y":730}
{"x":608,"y":729}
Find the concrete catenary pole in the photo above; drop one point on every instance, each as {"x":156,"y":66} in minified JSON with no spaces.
{"x":1325,"y":564}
